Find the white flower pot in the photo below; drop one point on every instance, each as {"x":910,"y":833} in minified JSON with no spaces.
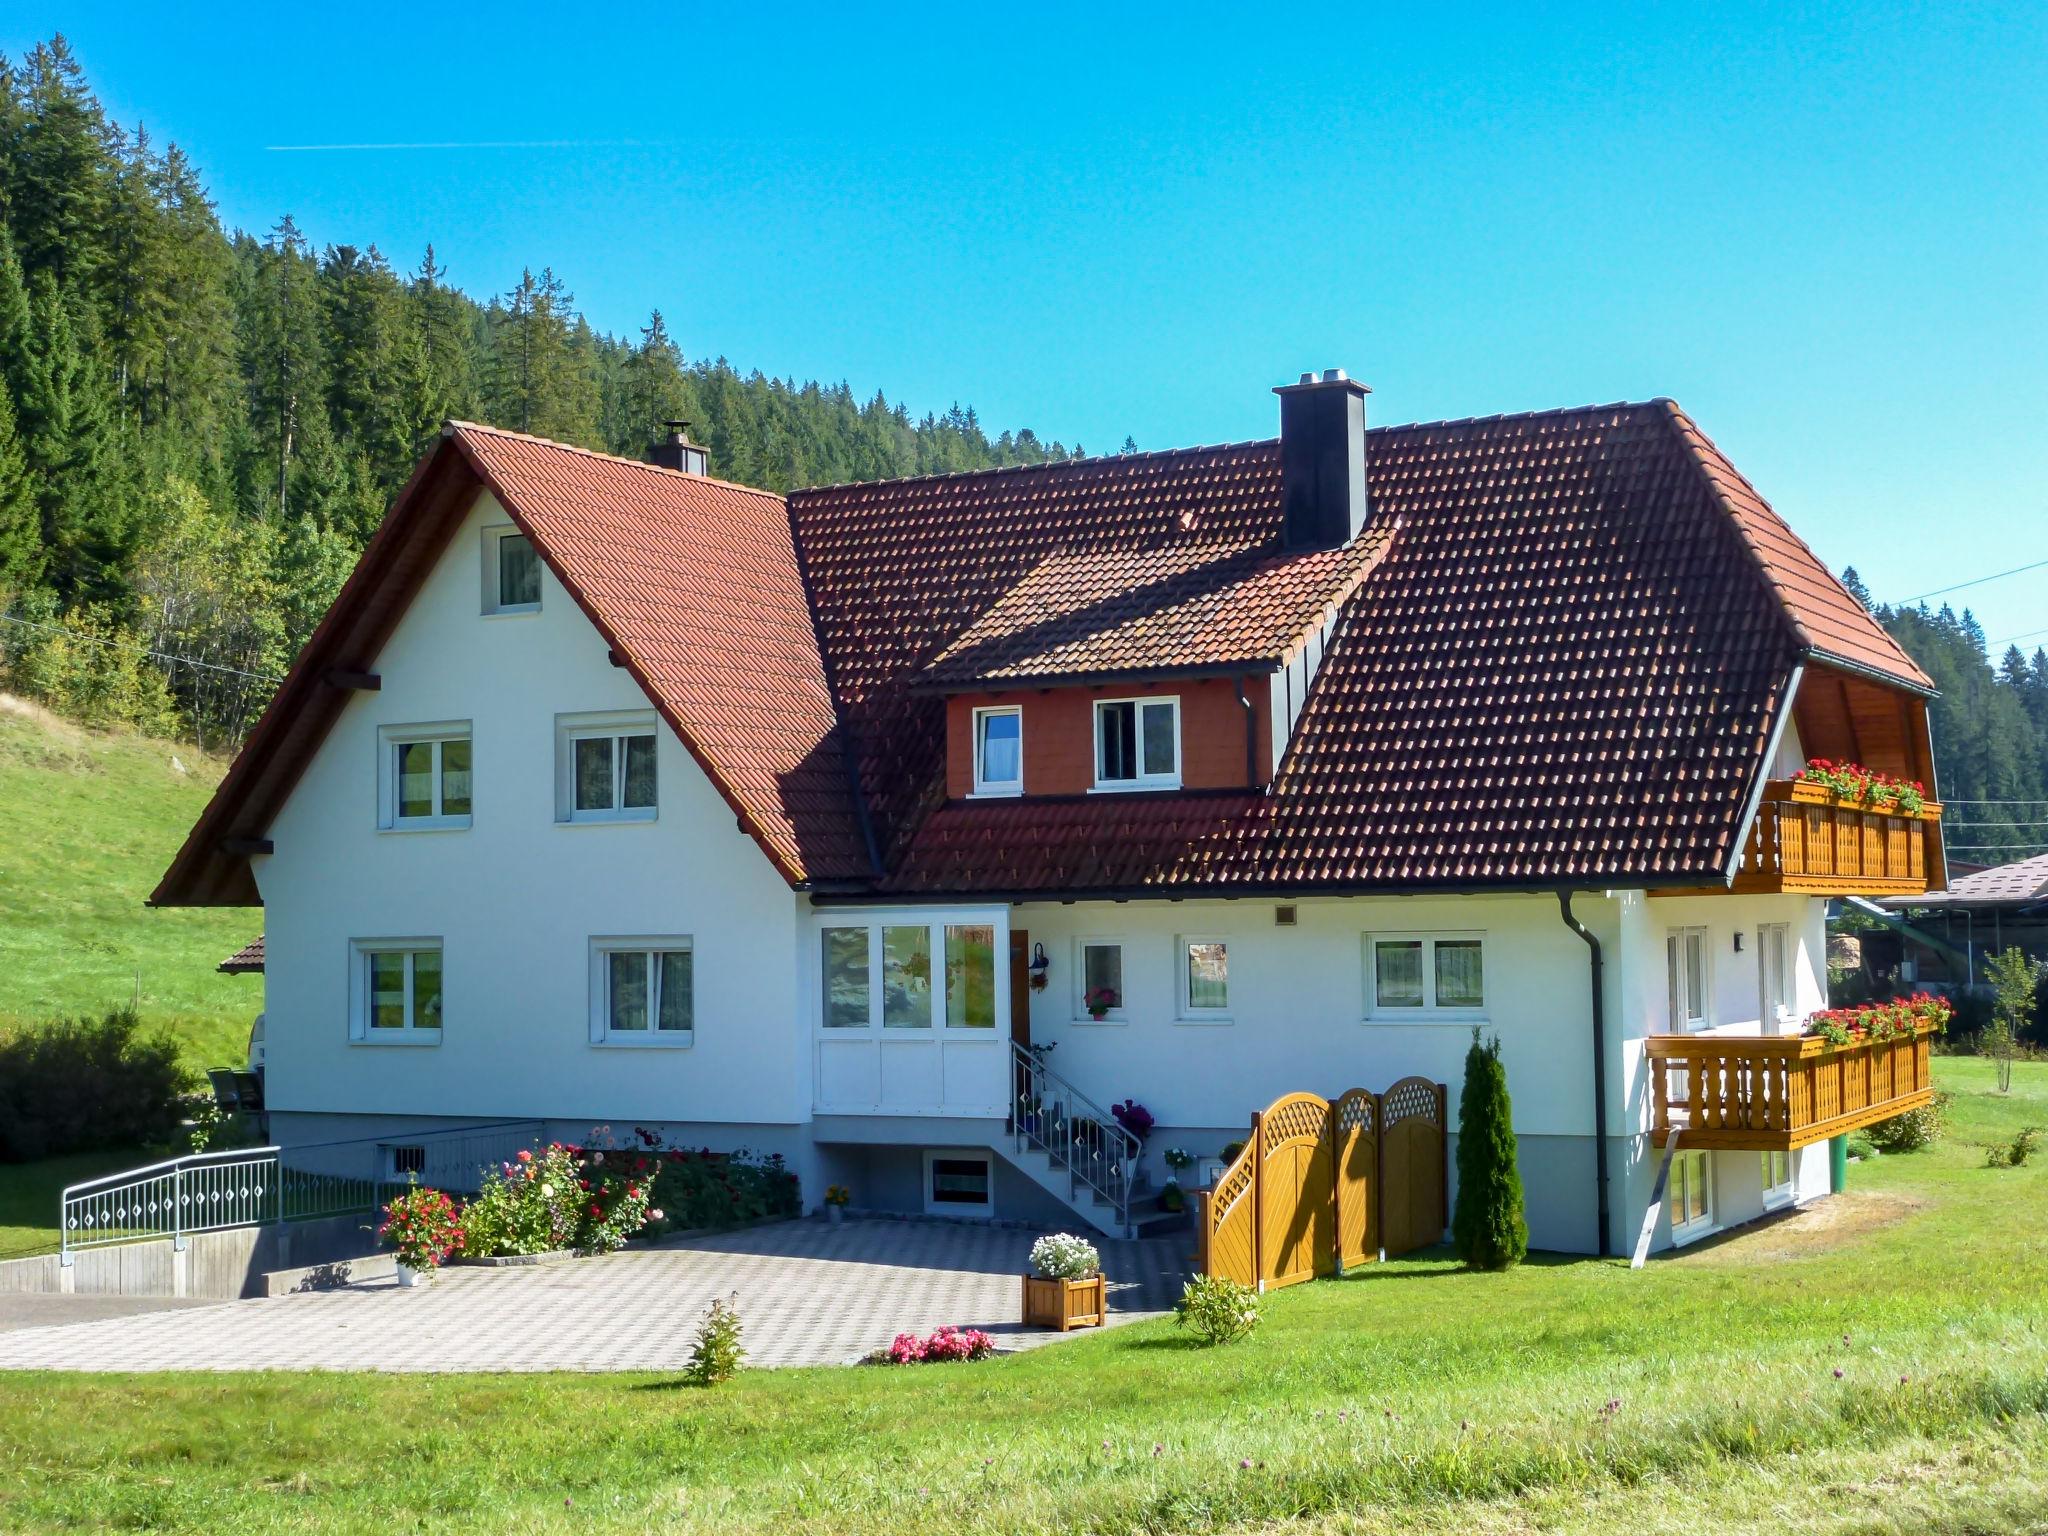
{"x":409,"y":1277}
{"x":835,"y":1214}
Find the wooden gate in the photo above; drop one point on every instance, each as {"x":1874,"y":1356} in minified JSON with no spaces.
{"x":1321,"y":1186}
{"x":1412,"y":1168}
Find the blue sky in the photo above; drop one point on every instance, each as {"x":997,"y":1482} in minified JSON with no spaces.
{"x":1821,"y":231}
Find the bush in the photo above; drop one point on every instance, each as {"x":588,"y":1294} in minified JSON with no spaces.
{"x":81,"y":1084}
{"x":943,"y":1345}
{"x":590,"y":1199}
{"x":2018,"y":1154}
{"x":1217,"y":1310}
{"x":1489,"y":1228}
{"x":717,"y":1354}
{"x":702,"y":1188}
{"x":1914,"y":1131}
{"x":1063,"y":1256}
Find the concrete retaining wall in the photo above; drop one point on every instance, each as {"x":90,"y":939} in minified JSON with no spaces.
{"x":225,"y":1265}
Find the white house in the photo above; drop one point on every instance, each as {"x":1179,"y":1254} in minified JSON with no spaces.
{"x":609,"y":793}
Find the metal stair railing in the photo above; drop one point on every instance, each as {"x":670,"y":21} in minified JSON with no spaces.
{"x":1048,"y":1114}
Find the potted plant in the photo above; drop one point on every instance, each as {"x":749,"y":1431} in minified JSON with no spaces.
{"x":1065,"y":1288}
{"x":1099,"y":1001}
{"x":836,"y":1198}
{"x":421,"y":1226}
{"x":1178,"y":1161}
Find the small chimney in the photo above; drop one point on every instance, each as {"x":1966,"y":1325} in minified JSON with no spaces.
{"x":676,"y":451}
{"x":1322,"y":460}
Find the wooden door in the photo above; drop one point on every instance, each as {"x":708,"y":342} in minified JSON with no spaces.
{"x":1020,"y":987}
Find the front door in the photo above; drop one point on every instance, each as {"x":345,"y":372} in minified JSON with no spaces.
{"x":1020,"y":987}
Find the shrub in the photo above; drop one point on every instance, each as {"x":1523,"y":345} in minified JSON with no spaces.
{"x":717,"y":1355}
{"x":590,"y":1199}
{"x":1488,"y":1227}
{"x":81,"y":1084}
{"x":1063,"y":1256}
{"x":701,"y":1188}
{"x":421,"y":1226}
{"x":2018,"y":1154}
{"x":2013,"y":980}
{"x":943,"y":1345}
{"x":1217,"y":1310}
{"x":1914,"y":1131}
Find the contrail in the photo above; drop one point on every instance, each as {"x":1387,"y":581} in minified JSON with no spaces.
{"x":461,"y":144}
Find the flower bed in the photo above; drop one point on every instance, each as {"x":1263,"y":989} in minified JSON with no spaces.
{"x":1922,"y":1013}
{"x":945,"y":1344}
{"x":1854,"y":784}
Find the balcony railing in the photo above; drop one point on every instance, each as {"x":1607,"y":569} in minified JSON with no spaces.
{"x":1774,"y":1093}
{"x":1805,"y":841}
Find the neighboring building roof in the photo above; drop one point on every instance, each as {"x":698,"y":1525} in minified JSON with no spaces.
{"x":1173,"y":610}
{"x":2018,"y":884}
{"x":244,"y":960}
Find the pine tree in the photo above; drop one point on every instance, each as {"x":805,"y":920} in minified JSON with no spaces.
{"x":1856,"y":588}
{"x":22,"y":553}
{"x":62,"y":169}
{"x":1488,"y":1228}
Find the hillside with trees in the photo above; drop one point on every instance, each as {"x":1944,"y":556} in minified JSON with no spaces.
{"x":199,"y":428}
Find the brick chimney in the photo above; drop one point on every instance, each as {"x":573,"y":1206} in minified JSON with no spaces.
{"x":1322,"y":460}
{"x":676,"y":451}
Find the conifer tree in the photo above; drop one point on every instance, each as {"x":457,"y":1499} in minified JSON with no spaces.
{"x":22,"y":553}
{"x":1489,"y":1228}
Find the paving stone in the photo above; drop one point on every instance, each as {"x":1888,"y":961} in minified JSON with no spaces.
{"x":808,"y":1294}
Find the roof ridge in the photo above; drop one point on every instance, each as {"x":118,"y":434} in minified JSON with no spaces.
{"x":1590,"y":408}
{"x":454,"y":424}
{"x":1046,"y":465}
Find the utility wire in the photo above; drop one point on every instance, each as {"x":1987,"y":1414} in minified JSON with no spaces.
{"x":140,"y":650}
{"x":1977,"y":581}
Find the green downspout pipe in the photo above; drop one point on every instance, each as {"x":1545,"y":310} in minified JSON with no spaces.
{"x":1838,"y":1163}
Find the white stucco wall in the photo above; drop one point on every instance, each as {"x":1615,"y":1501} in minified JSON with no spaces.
{"x":517,"y":897}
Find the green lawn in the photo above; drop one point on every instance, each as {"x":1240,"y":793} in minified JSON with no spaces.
{"x":29,"y":1191}
{"x":1879,"y":1363}
{"x":88,"y":822}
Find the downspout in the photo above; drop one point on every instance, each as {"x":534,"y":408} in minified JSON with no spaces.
{"x":1251,"y":738}
{"x":1594,"y":962}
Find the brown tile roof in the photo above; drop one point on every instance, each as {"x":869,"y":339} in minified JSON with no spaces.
{"x":1168,"y":610}
{"x":246,"y":959}
{"x":1566,"y":671}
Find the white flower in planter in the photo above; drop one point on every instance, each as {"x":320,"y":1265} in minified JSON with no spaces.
{"x":1062,"y":1256}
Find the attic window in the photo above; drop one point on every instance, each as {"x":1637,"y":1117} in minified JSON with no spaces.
{"x":999,"y":751}
{"x":511,"y":572}
{"x":1137,"y":743}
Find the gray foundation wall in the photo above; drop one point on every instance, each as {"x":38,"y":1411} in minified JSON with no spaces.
{"x":223,"y":1265}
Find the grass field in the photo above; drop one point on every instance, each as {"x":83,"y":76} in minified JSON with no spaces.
{"x":88,"y":822}
{"x":1877,"y":1363}
{"x":29,"y":1191}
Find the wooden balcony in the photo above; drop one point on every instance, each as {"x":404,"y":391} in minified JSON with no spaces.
{"x":1805,"y":841}
{"x":1774,"y":1093}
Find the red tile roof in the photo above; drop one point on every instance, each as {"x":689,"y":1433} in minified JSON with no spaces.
{"x":246,"y":959}
{"x":1168,"y":610}
{"x":1566,"y":671}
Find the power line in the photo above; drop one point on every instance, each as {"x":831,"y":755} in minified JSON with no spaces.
{"x":140,"y":650}
{"x":2015,"y":639}
{"x":1977,"y":582}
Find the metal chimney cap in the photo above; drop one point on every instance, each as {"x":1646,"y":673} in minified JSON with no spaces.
{"x":1333,"y":375}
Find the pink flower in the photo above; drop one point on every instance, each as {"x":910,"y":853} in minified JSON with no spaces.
{"x":525,"y":1156}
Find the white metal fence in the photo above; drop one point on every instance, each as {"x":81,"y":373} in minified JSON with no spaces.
{"x":257,"y":1186}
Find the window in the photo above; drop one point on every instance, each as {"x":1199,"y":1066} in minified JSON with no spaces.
{"x":1426,"y":973}
{"x":511,"y":572}
{"x":1204,"y":980}
{"x":395,"y":991}
{"x":424,"y":776}
{"x":958,"y":1184}
{"x":1099,"y":976}
{"x":1777,"y":1172}
{"x":1685,"y":955}
{"x":1137,"y":744}
{"x":642,"y":992}
{"x":605,"y":768}
{"x":900,"y":974}
{"x":999,"y":751}
{"x":1690,"y":1196}
{"x":1773,"y":949}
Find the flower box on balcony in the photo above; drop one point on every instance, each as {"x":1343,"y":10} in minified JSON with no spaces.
{"x":1811,"y":792}
{"x":1065,"y":1304}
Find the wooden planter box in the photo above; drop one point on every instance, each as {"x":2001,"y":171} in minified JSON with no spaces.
{"x":1065,"y":1304}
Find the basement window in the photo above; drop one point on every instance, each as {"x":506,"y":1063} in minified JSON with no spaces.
{"x":958,"y":1184}
{"x":1137,"y":743}
{"x":1690,"y":1196}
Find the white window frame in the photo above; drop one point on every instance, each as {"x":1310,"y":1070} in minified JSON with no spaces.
{"x":1676,"y":976}
{"x":1118,"y":1015}
{"x":932,"y":1207}
{"x":1772,"y":1017}
{"x":1185,"y":1011}
{"x":1682,"y":1167}
{"x":1785,"y":1191}
{"x":389,"y":739}
{"x":1430,"y":1012}
{"x":359,"y":1030}
{"x":992,"y":789}
{"x":494,"y":535}
{"x":601,"y":1032}
{"x":935,"y":925}
{"x":570,"y":729}
{"x":1143,"y":780}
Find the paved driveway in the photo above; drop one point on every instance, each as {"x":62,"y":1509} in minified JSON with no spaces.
{"x":808,"y":1294}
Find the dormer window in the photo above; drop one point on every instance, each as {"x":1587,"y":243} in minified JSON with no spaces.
{"x":511,"y":572}
{"x":1137,"y":743}
{"x":999,"y":751}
